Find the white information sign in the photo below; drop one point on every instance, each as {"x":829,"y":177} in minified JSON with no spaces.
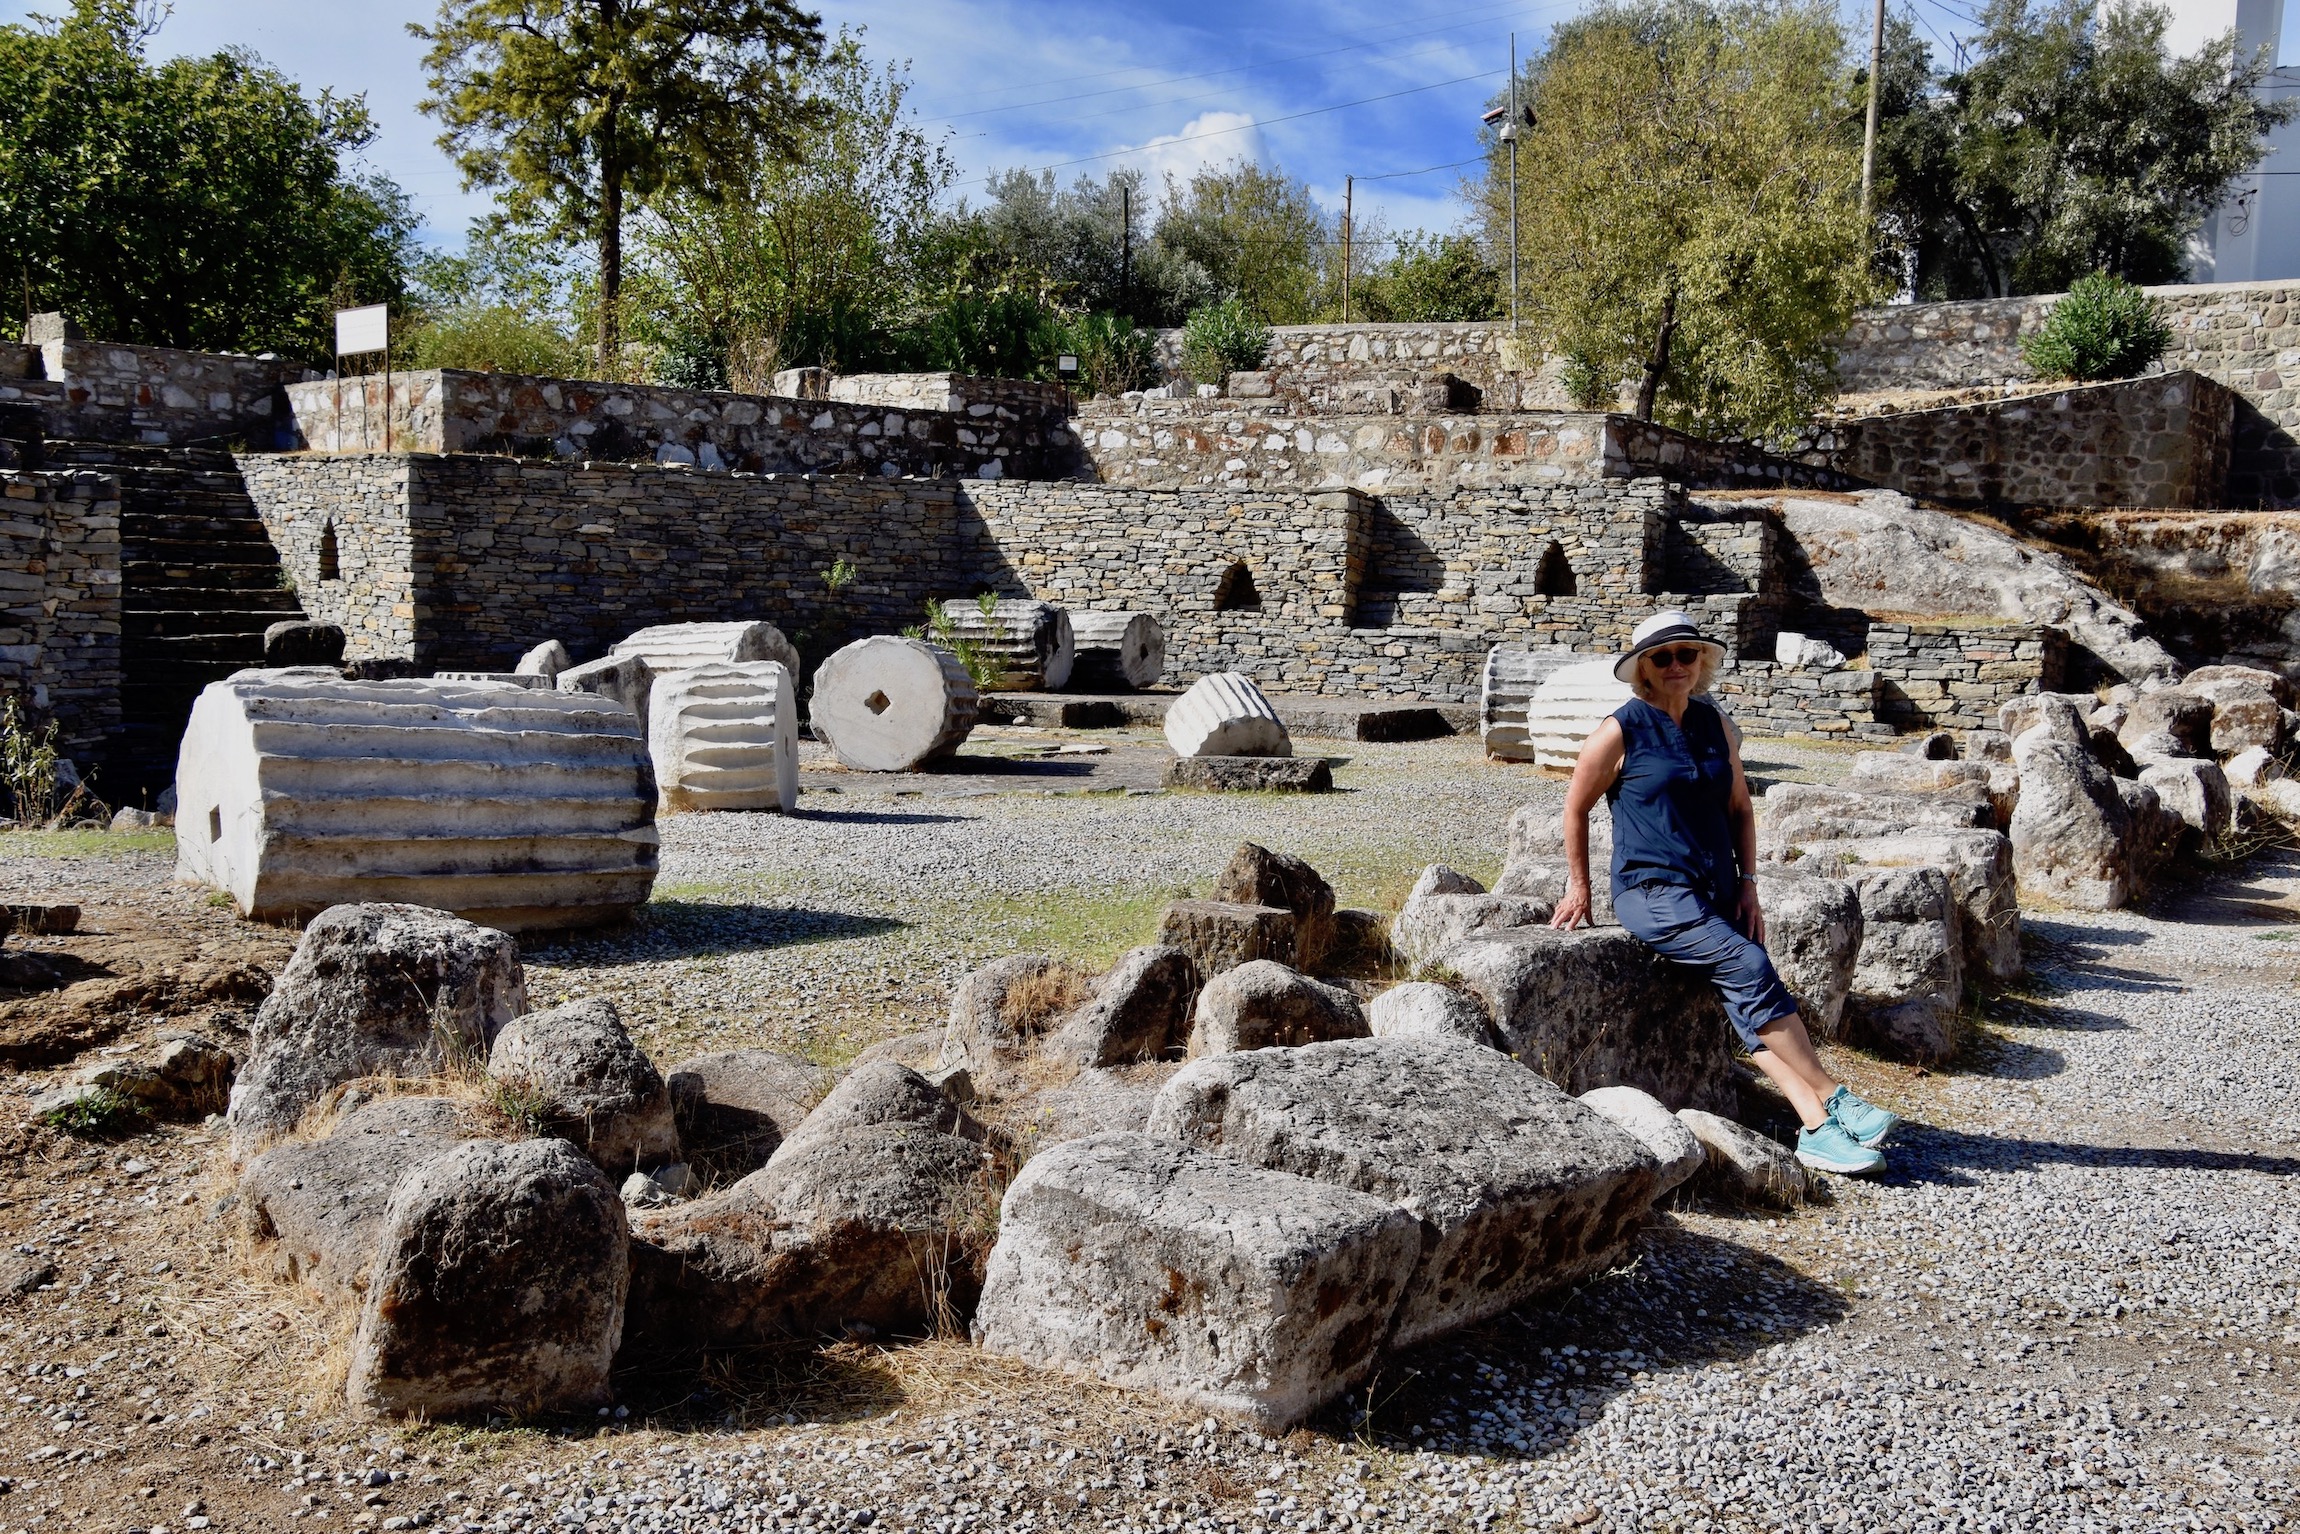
{"x":362,"y":330}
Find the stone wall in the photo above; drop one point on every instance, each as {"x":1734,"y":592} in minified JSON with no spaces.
{"x":342,"y":526}
{"x":112,"y":392}
{"x":2159,"y":441}
{"x":1303,"y":358}
{"x":452,"y":411}
{"x":952,"y":393}
{"x":60,"y":604}
{"x":2245,"y":336}
{"x":1949,"y":677}
{"x":1172,"y":444}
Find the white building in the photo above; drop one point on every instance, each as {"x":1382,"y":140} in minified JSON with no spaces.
{"x":2255,"y":235}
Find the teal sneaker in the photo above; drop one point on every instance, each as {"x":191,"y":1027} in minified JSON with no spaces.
{"x":1829,"y":1148}
{"x":1864,"y":1121}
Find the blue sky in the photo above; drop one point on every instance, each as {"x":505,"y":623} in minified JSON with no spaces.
{"x":1322,"y":88}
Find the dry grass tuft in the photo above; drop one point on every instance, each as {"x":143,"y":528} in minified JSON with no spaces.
{"x":1036,"y":1002}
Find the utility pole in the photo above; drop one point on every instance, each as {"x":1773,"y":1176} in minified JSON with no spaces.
{"x":1511,"y":134}
{"x":1869,"y":140}
{"x":1125,"y":245}
{"x":1349,"y":191}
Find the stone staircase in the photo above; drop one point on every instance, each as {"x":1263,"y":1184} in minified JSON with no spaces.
{"x":200,"y":582}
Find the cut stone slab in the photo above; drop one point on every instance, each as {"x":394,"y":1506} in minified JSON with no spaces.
{"x":1139,"y":1011}
{"x":624,"y":680}
{"x":1893,"y":772}
{"x":1220,"y":936}
{"x":1257,"y":876}
{"x":1511,"y":675}
{"x":1420,"y":1009}
{"x":315,"y":1209}
{"x":725,"y":736}
{"x":1225,"y":714}
{"x":1813,"y":937}
{"x":499,"y":1284}
{"x":1595,"y":1008}
{"x":2205,"y":679}
{"x":1121,"y":651}
{"x":678,"y":646}
{"x":546,"y":660}
{"x":856,"y":1229}
{"x":2071,"y":830}
{"x":590,"y":1083}
{"x":734,"y":1107}
{"x":1251,"y":774}
{"x":1030,"y":645}
{"x":372,"y":990}
{"x":887,"y":704}
{"x":1519,"y":1189}
{"x":1264,"y":1005}
{"x":1427,"y":925}
{"x":1799,"y":812}
{"x":1661,"y":1132}
{"x":1742,"y":1165}
{"x":1151,"y":1265}
{"x":1572,"y":701}
{"x":1908,"y":984}
{"x":298,"y":790}
{"x":2197,"y":792}
{"x":1979,"y":865}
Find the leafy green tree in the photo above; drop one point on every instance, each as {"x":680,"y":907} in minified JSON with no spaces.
{"x":2104,"y":327}
{"x":1091,"y":243}
{"x":1257,"y":235}
{"x":2072,"y":143}
{"x":204,"y":203}
{"x":1689,"y":210}
{"x":575,"y":106}
{"x":1427,"y":278}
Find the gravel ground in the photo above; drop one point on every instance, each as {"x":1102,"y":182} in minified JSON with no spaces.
{"x":2070,"y":1304}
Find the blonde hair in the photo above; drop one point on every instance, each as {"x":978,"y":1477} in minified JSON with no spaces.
{"x":1703,"y":676}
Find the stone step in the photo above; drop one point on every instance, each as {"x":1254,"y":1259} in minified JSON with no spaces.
{"x":276,"y":600}
{"x":151,"y":575}
{"x":199,"y":553}
{"x":178,"y":623}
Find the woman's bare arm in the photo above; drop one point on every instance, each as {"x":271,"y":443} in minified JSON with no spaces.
{"x":1741,"y":814}
{"x":1593,"y":773}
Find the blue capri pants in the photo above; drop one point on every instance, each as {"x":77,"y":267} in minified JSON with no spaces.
{"x":1681,"y":926}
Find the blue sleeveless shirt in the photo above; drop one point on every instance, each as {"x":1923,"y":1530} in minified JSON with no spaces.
{"x":1669,"y":803}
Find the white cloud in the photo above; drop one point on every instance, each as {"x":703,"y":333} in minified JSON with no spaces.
{"x":1210,"y":138}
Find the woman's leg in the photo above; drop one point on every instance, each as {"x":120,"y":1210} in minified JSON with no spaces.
{"x":1787,"y":1056}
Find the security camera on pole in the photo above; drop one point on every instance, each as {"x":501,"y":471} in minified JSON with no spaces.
{"x":1514,"y":119}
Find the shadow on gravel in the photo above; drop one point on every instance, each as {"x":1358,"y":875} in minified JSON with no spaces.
{"x":876,"y":817}
{"x":1926,"y":1155}
{"x":1683,"y":1299}
{"x":680,"y":929}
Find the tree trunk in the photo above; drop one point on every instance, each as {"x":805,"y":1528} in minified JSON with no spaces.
{"x":1658,"y":363}
{"x":610,"y":257}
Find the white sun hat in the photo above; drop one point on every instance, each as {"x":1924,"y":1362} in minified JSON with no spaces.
{"x":1669,"y":627}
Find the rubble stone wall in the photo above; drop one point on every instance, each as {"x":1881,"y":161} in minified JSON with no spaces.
{"x":112,"y":392}
{"x":452,"y":411}
{"x":955,"y":393}
{"x":1949,"y":677}
{"x":2158,"y":442}
{"x":60,"y":604}
{"x":345,"y":537}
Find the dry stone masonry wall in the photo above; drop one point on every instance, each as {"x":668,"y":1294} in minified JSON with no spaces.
{"x":60,"y":627}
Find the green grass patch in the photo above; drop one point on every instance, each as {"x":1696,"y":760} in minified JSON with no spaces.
{"x":1090,"y":930}
{"x":102,"y":1114}
{"x":88,"y":844}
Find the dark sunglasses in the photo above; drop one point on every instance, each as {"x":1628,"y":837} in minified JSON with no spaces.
{"x":1684,"y":655}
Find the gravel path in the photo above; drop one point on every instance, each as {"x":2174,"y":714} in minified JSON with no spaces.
{"x":2071,"y":1305}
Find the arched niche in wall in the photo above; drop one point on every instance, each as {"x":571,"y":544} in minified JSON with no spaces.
{"x":1235,"y":592}
{"x":330,"y":557}
{"x":1553,"y":576}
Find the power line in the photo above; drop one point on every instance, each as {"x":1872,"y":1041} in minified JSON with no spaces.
{"x":1477,"y":159}
{"x":1191,"y":138}
{"x":1504,"y":12}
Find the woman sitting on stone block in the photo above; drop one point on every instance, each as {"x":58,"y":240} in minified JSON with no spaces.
{"x":1684,"y":858}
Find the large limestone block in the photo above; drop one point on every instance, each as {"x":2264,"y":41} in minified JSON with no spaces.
{"x":1421,"y":1009}
{"x":680,"y":646}
{"x":859,"y":1228}
{"x":2063,"y":713}
{"x":1813,"y":936}
{"x":1261,"y":1005}
{"x":1909,"y":982}
{"x":1595,"y":1008}
{"x":1799,"y":812}
{"x":2245,"y":708}
{"x":1139,"y":1011}
{"x":1427,"y":925}
{"x":314,"y":1208}
{"x":2071,"y":829}
{"x":1511,"y":676}
{"x":1979,"y":865}
{"x":733,"y":1107}
{"x":2172,"y":712}
{"x":623,"y":679}
{"x":2205,"y":681}
{"x":1257,"y":876}
{"x":1030,"y":646}
{"x":1891,"y":772}
{"x":372,"y":990}
{"x":1225,"y":714}
{"x":523,"y":809}
{"x":1572,"y":701}
{"x":588,"y":1082}
{"x":882,"y":1092}
{"x":887,"y":704}
{"x":1519,"y":1189}
{"x":1539,"y":833}
{"x":1742,"y":1165}
{"x":1151,"y":1265}
{"x":546,"y":660}
{"x":498,"y":1286}
{"x":2197,"y":791}
{"x":997,"y":1012}
{"x":725,"y":736}
{"x":2157,"y":836}
{"x":1662,"y":1133}
{"x":1120,"y":652}
{"x":1221,"y":935}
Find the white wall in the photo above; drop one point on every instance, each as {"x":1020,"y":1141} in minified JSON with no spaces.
{"x":2255,"y":234}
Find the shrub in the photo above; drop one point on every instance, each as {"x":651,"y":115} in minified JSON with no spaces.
{"x":1586,"y":386}
{"x":99,"y":1115}
{"x":1113,"y":356}
{"x":495,"y":338}
{"x":28,"y":765}
{"x":2104,"y":328}
{"x":1224,"y":338}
